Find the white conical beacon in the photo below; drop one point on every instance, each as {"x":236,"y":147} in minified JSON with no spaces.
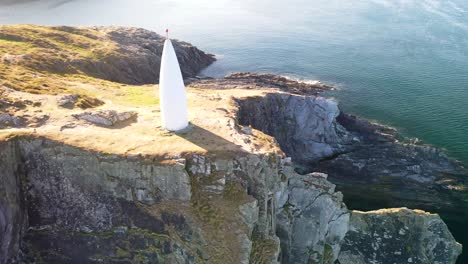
{"x":172,"y":95}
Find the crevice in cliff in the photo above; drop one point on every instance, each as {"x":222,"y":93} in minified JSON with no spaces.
{"x":13,"y":212}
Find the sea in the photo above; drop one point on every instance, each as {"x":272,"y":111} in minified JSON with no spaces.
{"x":402,"y":63}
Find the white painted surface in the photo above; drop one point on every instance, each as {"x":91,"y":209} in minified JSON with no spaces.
{"x":172,"y":95}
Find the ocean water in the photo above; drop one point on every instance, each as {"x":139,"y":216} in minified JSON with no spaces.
{"x":403,"y":63}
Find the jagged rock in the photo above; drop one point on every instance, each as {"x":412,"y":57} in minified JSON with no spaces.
{"x":13,"y":219}
{"x":247,"y":130}
{"x":7,"y":120}
{"x":305,"y":127}
{"x":106,"y":118}
{"x":313,"y":221}
{"x":365,"y":160}
{"x":77,"y":197}
{"x":249,"y":214}
{"x":398,"y":236}
{"x":251,"y":80}
{"x":379,"y":171}
{"x":119,"y":54}
{"x":67,"y":101}
{"x":82,"y":101}
{"x":139,"y":57}
{"x":246,"y":248}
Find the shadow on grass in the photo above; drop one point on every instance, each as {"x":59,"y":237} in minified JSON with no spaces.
{"x":208,"y":141}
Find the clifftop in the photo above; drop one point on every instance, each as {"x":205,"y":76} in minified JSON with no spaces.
{"x":212,"y":127}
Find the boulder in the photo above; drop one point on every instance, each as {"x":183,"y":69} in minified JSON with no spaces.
{"x":106,"y":118}
{"x":67,"y":101}
{"x":7,"y":120}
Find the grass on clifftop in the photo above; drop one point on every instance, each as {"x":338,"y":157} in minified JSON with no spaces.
{"x":50,"y":60}
{"x":43,"y":60}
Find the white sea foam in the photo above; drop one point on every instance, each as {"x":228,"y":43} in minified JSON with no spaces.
{"x":307,"y":81}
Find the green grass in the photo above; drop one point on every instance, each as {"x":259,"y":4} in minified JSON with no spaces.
{"x":263,"y":250}
{"x":56,"y":60}
{"x":140,"y":95}
{"x":50,"y":52}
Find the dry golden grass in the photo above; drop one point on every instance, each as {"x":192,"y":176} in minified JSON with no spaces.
{"x":40,"y":59}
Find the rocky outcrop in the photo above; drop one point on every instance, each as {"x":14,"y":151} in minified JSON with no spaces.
{"x":68,"y":203}
{"x":381,"y":171}
{"x":304,"y":126}
{"x":72,"y":196}
{"x":367,"y":161}
{"x":11,"y":116}
{"x":312,"y":220}
{"x":81,"y":101}
{"x":398,"y":236}
{"x":119,"y":54}
{"x":251,"y":80}
{"x":13,"y":217}
{"x":138,"y":57}
{"x":7,"y":120}
{"x":137,"y":208}
{"x":106,"y":118}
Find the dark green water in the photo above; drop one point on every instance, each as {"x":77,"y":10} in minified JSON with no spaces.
{"x":403,"y":63}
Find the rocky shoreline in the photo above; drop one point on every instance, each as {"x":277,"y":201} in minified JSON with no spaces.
{"x":98,"y":181}
{"x":353,"y":151}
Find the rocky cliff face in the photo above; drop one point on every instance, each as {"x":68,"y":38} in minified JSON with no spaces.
{"x":368,"y":162}
{"x":138,"y":57}
{"x":85,"y":207}
{"x":402,"y":235}
{"x":13,"y":216}
{"x":305,"y":126}
{"x":312,"y":220}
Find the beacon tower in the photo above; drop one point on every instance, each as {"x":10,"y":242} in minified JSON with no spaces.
{"x":172,"y":95}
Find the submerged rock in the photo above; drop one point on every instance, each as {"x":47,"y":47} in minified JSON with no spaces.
{"x":398,"y":236}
